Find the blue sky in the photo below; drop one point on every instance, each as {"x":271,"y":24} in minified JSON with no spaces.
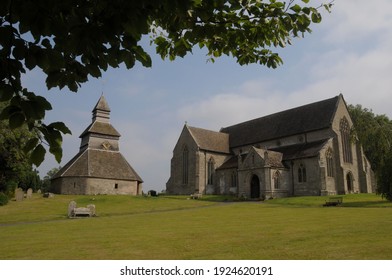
{"x":350,"y":52}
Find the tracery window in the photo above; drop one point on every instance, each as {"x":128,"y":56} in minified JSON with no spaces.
{"x":329,"y":159}
{"x":301,"y":173}
{"x":277,"y":180}
{"x":234,"y":179}
{"x":210,"y":172}
{"x":185,"y":165}
{"x":346,"y":143}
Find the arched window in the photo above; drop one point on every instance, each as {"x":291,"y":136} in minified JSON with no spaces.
{"x":185,"y":164}
{"x":210,"y":172}
{"x":301,"y":173}
{"x":350,"y":182}
{"x":346,"y":143}
{"x":234,"y":179}
{"x":277,"y":180}
{"x":329,"y":159}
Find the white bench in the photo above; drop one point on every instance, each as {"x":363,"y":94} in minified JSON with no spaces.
{"x":196,"y":195}
{"x":73,"y":211}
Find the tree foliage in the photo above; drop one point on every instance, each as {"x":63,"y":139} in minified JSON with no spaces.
{"x":375,"y":134}
{"x":72,"y":41}
{"x":15,"y":165}
{"x":46,"y":180}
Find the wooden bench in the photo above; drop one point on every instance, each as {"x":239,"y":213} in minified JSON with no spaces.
{"x":196,"y":195}
{"x":73,"y":211}
{"x":334,"y":201}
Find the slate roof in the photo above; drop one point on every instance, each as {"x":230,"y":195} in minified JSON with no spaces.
{"x":311,"y":117}
{"x":274,"y":158}
{"x":102,"y":104}
{"x":210,"y":140}
{"x":101,"y":128}
{"x":232,"y":162}
{"x":99,"y":164}
{"x":304,"y":150}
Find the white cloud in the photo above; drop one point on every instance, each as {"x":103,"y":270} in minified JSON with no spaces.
{"x":353,"y":20}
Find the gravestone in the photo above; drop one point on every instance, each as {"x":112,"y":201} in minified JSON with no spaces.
{"x":48,"y":195}
{"x":19,"y":194}
{"x":71,"y":207}
{"x":29,"y":193}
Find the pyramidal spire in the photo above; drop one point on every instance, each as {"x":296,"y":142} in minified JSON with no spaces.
{"x":101,"y":111}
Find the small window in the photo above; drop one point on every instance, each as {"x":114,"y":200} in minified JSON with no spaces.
{"x":211,"y":170}
{"x":185,"y":164}
{"x":116,"y":186}
{"x":234,"y":179}
{"x":302,"y":173}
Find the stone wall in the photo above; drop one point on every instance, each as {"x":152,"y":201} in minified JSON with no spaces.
{"x":95,"y":186}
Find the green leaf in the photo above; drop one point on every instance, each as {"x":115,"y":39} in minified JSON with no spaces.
{"x":316,"y":17}
{"x":61,"y":127}
{"x":57,"y":151}
{"x":16,"y":120}
{"x":6,"y":92}
{"x":296,"y":8}
{"x":38,"y":155}
{"x":30,"y":145}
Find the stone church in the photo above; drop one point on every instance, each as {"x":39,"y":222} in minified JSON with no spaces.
{"x":308,"y":150}
{"x":99,"y":167}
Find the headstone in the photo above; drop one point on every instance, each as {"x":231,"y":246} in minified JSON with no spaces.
{"x":152,"y":193}
{"x":19,"y":194}
{"x":71,"y":207}
{"x":48,"y":195}
{"x":29,"y":193}
{"x":39,"y":191}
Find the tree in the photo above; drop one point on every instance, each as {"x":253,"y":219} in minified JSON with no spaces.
{"x":15,"y":167}
{"x":375,"y":134}
{"x":72,"y":40}
{"x":48,"y":177}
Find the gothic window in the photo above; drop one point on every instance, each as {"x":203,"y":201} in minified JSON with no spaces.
{"x":234,"y":179}
{"x":329,"y":158}
{"x":210,"y":172}
{"x":185,"y":163}
{"x":346,"y":143}
{"x":301,"y":173}
{"x":277,"y":180}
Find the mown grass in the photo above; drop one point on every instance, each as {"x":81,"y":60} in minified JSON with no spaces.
{"x":178,"y":228}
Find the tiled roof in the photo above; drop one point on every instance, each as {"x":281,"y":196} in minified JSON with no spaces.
{"x":99,"y":164}
{"x":210,"y":140}
{"x":298,"y":120}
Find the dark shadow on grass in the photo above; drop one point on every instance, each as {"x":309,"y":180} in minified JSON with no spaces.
{"x":368,"y":204}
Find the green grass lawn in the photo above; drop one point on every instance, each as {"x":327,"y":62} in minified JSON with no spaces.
{"x":170,"y":227}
